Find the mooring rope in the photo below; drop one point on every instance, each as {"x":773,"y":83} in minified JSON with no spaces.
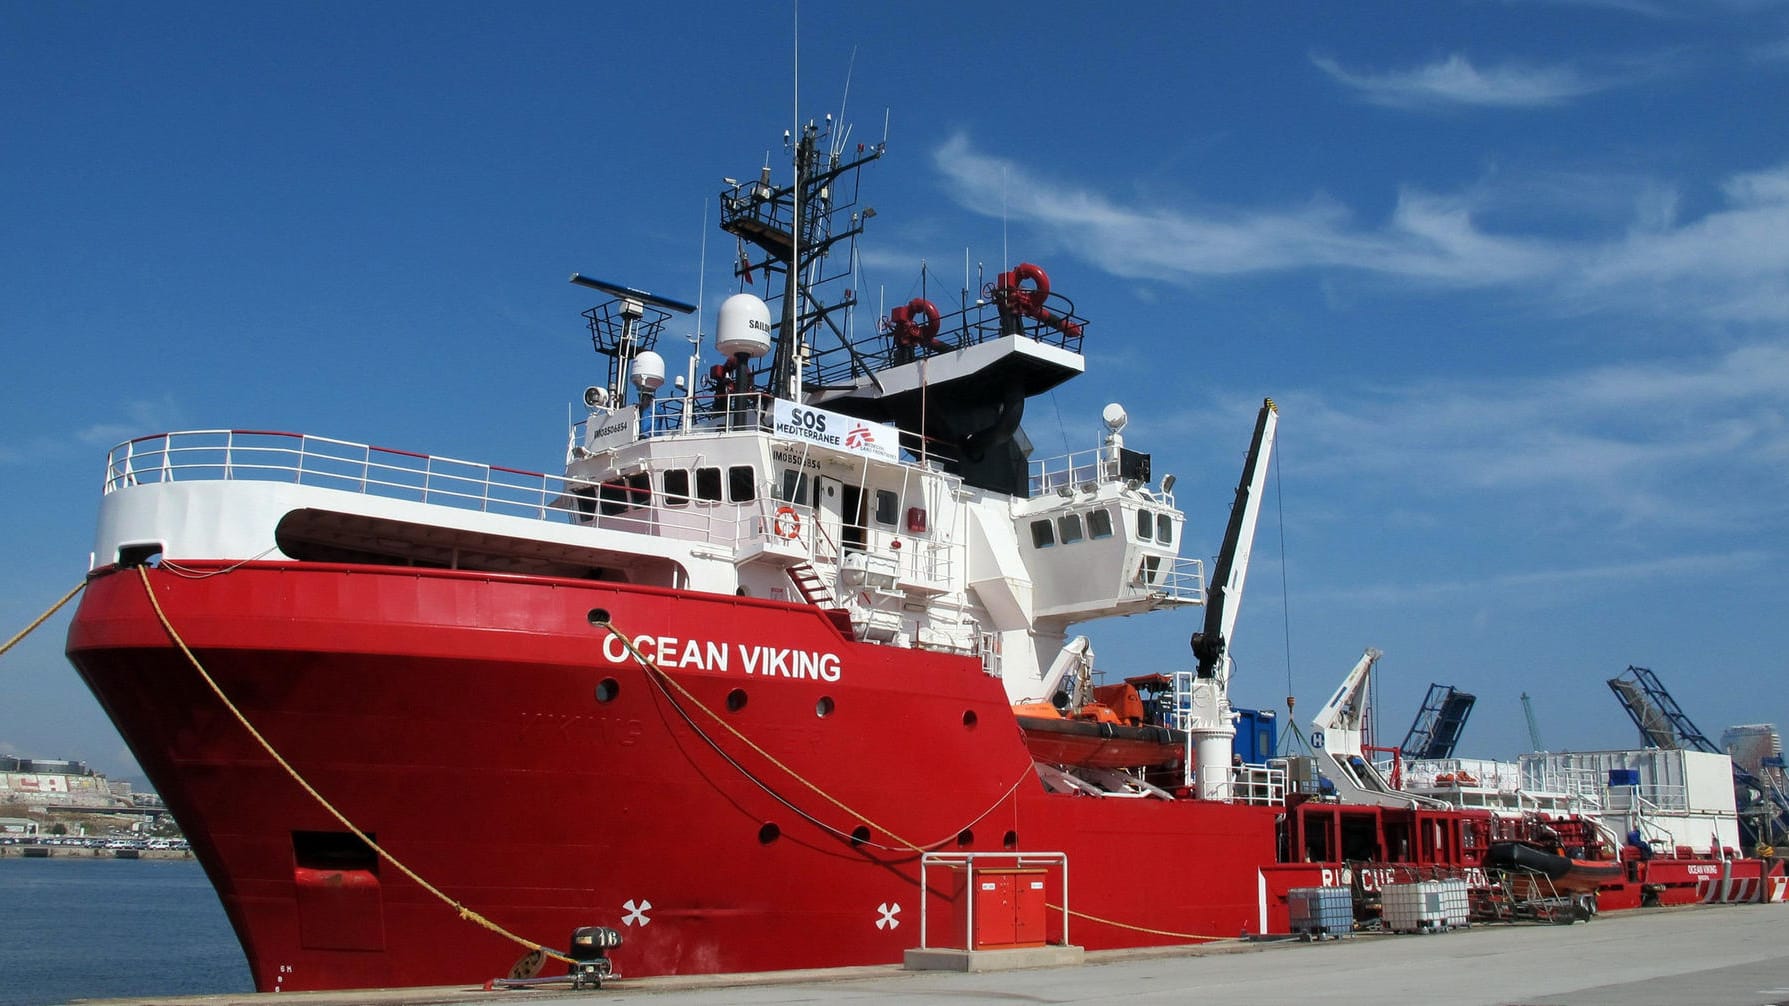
{"x":661,"y":678}
{"x":465,"y":913}
{"x":27,"y":630}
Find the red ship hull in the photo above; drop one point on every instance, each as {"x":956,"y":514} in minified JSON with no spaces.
{"x":759,"y":813}
{"x":454,"y":717}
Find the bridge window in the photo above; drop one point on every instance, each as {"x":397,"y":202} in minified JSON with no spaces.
{"x":639,"y":490}
{"x":613,"y":498}
{"x":1164,"y":529}
{"x":1043,"y":534}
{"x":677,"y":487}
{"x":1070,"y":524}
{"x":1099,"y":524}
{"x":1145,"y":525}
{"x":742,"y":485}
{"x":708,"y":485}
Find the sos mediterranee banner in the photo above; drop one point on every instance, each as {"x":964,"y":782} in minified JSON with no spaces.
{"x":831,"y":429}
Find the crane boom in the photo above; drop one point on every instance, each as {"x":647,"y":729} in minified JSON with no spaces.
{"x":1534,"y":730}
{"x":1211,"y":644}
{"x":1211,"y":727}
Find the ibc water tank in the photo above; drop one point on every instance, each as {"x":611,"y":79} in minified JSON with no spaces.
{"x":744,"y":326}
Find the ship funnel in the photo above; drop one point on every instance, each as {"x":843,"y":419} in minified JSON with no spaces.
{"x":744,"y":327}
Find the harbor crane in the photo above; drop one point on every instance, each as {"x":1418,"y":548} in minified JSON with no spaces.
{"x":1534,"y":730}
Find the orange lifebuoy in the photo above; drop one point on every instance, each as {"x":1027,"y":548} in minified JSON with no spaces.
{"x":786,"y":523}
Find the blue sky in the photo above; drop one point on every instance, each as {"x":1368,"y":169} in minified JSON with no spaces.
{"x":1517,"y":272}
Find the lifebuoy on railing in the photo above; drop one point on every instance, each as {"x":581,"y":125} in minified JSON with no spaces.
{"x":786,"y":523}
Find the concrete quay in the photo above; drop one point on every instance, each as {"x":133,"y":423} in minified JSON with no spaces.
{"x":1695,"y":956}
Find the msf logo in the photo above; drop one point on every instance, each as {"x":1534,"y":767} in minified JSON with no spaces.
{"x":858,"y":437}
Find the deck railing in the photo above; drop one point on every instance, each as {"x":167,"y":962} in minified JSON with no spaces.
{"x":301,"y":459}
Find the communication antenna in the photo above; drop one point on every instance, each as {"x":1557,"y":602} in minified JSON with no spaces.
{"x":695,"y":339}
{"x":843,"y":139}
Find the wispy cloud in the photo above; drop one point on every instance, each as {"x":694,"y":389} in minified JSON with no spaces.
{"x":1428,"y":236}
{"x":1552,"y":582}
{"x":1456,"y":81}
{"x":1731,"y":263}
{"x":133,"y":418}
{"x":1696,"y":443}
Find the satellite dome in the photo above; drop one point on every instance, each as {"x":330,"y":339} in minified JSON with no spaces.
{"x":744,"y":326}
{"x":647,"y":371}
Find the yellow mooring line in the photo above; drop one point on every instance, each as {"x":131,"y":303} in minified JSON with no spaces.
{"x":465,"y":913}
{"x":27,"y":630}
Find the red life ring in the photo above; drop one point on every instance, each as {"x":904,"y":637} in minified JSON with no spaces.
{"x":1039,"y":279}
{"x":786,"y":523}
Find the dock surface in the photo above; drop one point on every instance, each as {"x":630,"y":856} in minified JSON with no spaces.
{"x":1726,"y":956}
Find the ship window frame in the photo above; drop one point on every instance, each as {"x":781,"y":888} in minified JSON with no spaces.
{"x":1068,"y":528}
{"x":678,"y":494}
{"x":1164,"y":528}
{"x":1043,"y":533}
{"x":1145,"y":524}
{"x":888,"y":507}
{"x":794,"y":488}
{"x":742,"y":484}
{"x":612,"y":497}
{"x":639,"y":490}
{"x":1099,"y":524}
{"x":709,"y":484}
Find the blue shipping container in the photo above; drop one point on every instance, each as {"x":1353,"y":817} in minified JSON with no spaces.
{"x":1257,"y":736}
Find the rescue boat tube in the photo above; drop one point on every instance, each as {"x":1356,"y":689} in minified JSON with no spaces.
{"x":1565,"y":872}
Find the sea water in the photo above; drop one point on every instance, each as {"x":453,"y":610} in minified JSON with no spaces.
{"x":109,"y":928}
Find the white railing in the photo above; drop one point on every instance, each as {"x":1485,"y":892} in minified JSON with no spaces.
{"x":1074,"y":470}
{"x":1263,"y":785}
{"x":388,"y":473}
{"x":1172,"y":577}
{"x":256,"y":455}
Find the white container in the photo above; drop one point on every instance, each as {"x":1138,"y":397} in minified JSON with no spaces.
{"x":1426,"y":906}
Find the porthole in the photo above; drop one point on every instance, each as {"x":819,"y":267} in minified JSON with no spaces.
{"x":969,"y":718}
{"x":965,"y":838}
{"x":860,"y":835}
{"x":769,"y":833}
{"x":598,"y":616}
{"x":736,"y":700}
{"x":607,"y":689}
{"x":824,"y":707}
{"x":1010,"y":840}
